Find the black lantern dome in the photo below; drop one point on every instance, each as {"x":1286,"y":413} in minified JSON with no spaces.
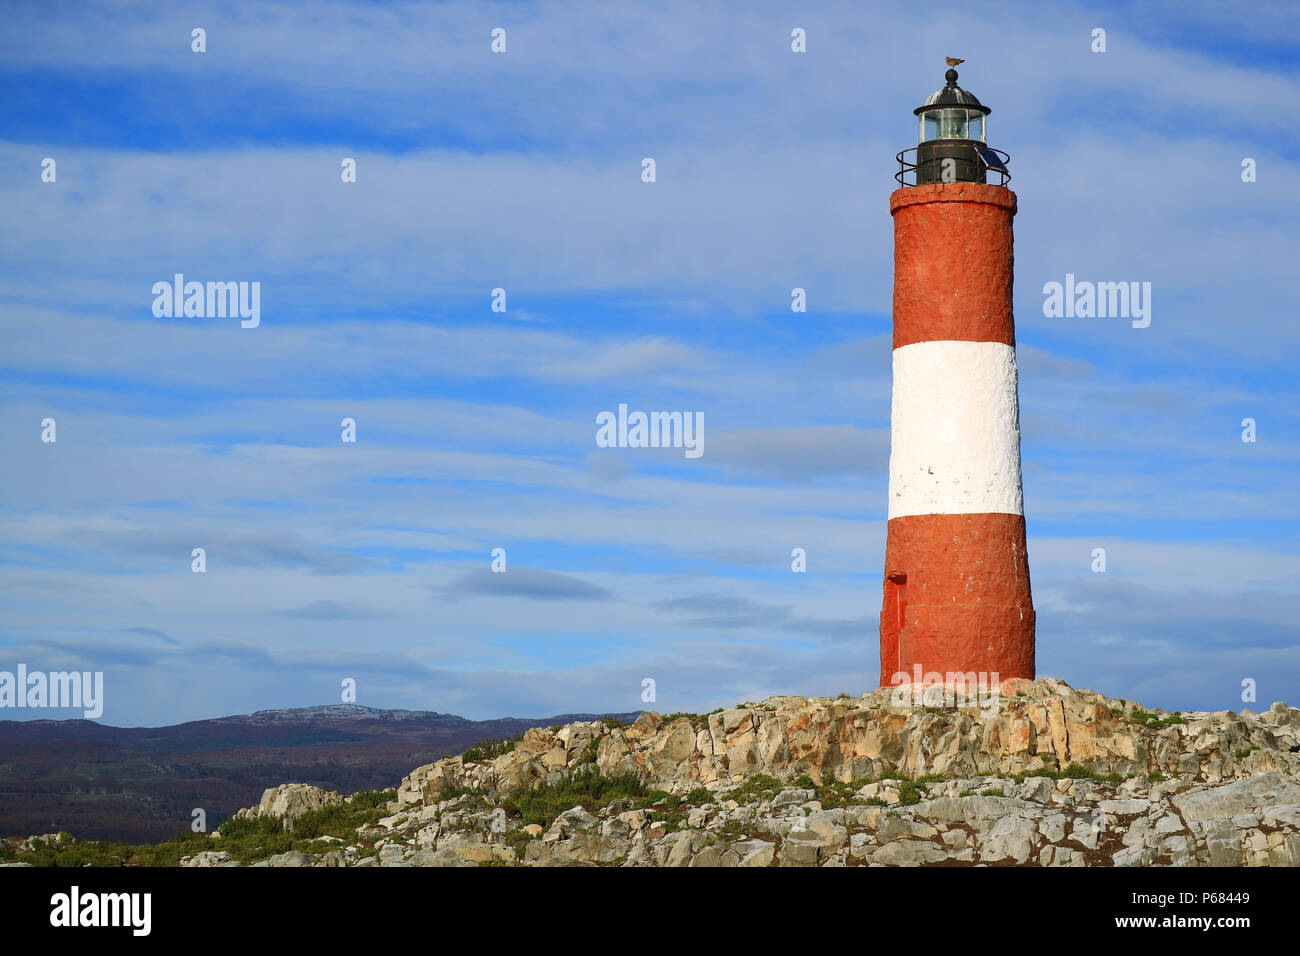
{"x":952,"y":95}
{"x":951,"y":144}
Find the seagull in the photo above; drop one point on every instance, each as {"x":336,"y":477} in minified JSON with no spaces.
{"x":953,"y":61}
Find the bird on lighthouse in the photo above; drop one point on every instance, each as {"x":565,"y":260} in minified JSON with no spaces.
{"x":956,"y":599}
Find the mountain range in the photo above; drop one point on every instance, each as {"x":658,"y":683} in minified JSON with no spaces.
{"x":142,"y":784}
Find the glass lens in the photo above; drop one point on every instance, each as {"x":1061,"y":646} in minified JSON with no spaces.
{"x":931,"y":131}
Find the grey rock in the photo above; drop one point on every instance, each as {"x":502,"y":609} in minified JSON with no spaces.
{"x":909,"y":853}
{"x":1239,"y":796}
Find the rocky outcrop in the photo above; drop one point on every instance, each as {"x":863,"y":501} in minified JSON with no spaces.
{"x":1042,"y":774}
{"x":289,"y":801}
{"x":1032,"y":725}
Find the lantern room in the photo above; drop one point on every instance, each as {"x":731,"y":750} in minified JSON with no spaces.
{"x":951,"y":141}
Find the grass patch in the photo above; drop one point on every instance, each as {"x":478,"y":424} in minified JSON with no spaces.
{"x":1075,"y":771}
{"x":586,"y":787}
{"x":758,"y":787}
{"x":450,"y":791}
{"x":1145,"y":719}
{"x":487,"y":750}
{"x":517,"y":840}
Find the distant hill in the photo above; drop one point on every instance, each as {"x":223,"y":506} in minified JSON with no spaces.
{"x":140,"y":784}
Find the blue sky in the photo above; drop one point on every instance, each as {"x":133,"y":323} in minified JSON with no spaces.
{"x":476,"y":430}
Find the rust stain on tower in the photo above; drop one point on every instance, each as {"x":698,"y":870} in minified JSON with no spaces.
{"x":956,"y":584}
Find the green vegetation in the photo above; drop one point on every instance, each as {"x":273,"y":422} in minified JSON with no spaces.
{"x":450,"y":791}
{"x":837,"y":793}
{"x":247,"y":841}
{"x":995,"y":792}
{"x":586,"y":787}
{"x":517,"y":840}
{"x":1075,"y":771}
{"x":1155,"y":777}
{"x":486,"y":750}
{"x":760,"y":786}
{"x":1245,"y":752}
{"x":1144,"y":719}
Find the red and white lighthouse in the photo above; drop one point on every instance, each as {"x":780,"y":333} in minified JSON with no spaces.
{"x":956,"y":589}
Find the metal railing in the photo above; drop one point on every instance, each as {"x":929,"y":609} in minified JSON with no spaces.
{"x":908,"y":170}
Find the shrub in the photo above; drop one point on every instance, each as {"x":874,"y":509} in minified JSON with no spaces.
{"x":486,"y":750}
{"x":755,"y":788}
{"x":585,"y":787}
{"x":1146,"y":719}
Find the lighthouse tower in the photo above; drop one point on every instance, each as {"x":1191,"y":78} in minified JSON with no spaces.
{"x":956,"y":589}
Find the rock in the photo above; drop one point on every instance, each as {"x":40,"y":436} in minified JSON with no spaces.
{"x":1230,"y":799}
{"x":787,"y":798}
{"x":1213,"y":808}
{"x":709,"y":856}
{"x":45,"y":839}
{"x":1223,"y":844}
{"x":1133,"y":856}
{"x":755,"y":852}
{"x":1124,"y":807}
{"x":1038,"y":789}
{"x":909,"y":853}
{"x":290,"y":858}
{"x":1010,"y":837}
{"x":289,"y":801}
{"x":1052,"y":827}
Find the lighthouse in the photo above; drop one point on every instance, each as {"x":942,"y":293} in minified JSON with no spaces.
{"x":956,"y":583}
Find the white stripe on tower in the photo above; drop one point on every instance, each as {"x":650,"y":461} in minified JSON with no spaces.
{"x":956,"y":430}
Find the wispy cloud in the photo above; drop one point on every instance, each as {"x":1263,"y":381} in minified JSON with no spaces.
{"x":475,"y":429}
